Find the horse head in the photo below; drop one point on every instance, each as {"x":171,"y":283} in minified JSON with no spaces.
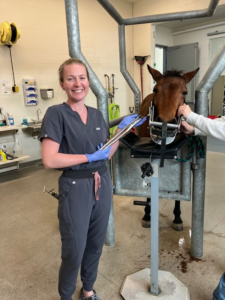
{"x":168,"y":94}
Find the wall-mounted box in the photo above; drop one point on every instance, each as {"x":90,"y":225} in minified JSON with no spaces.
{"x":47,"y":93}
{"x":30,"y":91}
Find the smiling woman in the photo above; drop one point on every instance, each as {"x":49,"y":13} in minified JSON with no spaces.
{"x":71,"y":133}
{"x":69,"y":142}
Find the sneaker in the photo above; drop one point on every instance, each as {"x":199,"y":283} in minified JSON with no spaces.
{"x":93,"y":297}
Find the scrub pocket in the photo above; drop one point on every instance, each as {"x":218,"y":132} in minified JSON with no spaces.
{"x":68,"y":235}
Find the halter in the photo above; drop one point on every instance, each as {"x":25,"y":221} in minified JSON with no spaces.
{"x":160,"y":131}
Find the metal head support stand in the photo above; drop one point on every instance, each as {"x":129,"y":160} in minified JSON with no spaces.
{"x":149,"y":283}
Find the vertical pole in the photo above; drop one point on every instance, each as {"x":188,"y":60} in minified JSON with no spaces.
{"x":154,"y":229}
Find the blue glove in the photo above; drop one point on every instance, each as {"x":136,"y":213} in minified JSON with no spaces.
{"x":99,"y":154}
{"x":127,"y":120}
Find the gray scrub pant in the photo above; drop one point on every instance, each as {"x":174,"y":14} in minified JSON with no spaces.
{"x":83,"y":223}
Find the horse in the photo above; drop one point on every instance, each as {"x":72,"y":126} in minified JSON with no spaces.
{"x":168,"y":94}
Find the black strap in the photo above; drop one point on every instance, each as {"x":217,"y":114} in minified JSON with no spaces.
{"x":84,"y":173}
{"x":163,"y":144}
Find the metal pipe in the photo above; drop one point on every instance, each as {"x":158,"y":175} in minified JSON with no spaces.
{"x":123,"y":69}
{"x":73,"y":33}
{"x":75,"y":52}
{"x":161,"y":17}
{"x":167,"y":17}
{"x":198,"y":198}
{"x":159,"y":124}
{"x":154,"y":289}
{"x":111,"y":10}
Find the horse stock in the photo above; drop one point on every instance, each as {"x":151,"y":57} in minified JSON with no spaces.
{"x":161,"y":109}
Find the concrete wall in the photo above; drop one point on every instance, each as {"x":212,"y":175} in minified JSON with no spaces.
{"x":43,"y":47}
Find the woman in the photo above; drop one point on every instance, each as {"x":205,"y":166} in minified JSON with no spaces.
{"x":71,"y":134}
{"x":204,"y":126}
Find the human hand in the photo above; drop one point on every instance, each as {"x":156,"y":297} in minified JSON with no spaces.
{"x":186,"y":128}
{"x":184,"y":110}
{"x":99,"y":154}
{"x":128,"y":119}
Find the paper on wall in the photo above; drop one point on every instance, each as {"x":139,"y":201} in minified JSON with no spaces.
{"x":6,"y":86}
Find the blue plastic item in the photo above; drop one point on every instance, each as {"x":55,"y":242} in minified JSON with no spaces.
{"x":219,"y":293}
{"x":99,"y":154}
{"x":127,"y":120}
{"x":32,"y":101}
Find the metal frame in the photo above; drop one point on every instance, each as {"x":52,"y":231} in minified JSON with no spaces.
{"x":102,"y":99}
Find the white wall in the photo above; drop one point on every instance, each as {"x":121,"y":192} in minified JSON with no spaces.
{"x":43,"y":47}
{"x":144,"y":39}
{"x":203,"y":40}
{"x":200,"y":37}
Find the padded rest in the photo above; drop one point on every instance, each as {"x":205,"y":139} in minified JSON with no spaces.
{"x":144,"y":147}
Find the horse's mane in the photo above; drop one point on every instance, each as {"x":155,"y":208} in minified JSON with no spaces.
{"x":173,"y":73}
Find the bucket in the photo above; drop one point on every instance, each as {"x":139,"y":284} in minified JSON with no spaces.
{"x":17,"y":149}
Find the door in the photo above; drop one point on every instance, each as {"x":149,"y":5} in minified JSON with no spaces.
{"x":184,"y":58}
{"x":218,"y":97}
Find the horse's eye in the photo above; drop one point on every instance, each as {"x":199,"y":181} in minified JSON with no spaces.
{"x":184,"y":93}
{"x":155,"y":90}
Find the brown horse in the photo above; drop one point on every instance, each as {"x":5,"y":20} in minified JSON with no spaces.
{"x":168,"y":94}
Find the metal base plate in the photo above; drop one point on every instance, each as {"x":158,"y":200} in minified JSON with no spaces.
{"x":137,"y":287}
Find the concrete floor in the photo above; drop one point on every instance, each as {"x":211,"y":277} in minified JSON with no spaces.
{"x":30,"y":241}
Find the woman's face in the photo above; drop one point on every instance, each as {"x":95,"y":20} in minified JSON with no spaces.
{"x":75,"y":82}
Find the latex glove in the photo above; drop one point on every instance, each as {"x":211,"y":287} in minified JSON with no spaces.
{"x":99,"y":154}
{"x":128,"y":119}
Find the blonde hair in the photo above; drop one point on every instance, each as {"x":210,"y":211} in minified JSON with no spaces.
{"x":71,"y":61}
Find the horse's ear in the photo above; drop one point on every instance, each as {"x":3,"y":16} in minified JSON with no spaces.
{"x":189,"y":75}
{"x":156,"y":75}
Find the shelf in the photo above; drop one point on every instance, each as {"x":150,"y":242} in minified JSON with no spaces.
{"x":14,"y":163}
{"x":14,"y":160}
{"x":8,"y":128}
{"x":11,"y":164}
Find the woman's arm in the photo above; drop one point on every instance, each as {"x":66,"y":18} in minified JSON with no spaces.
{"x":54,"y":160}
{"x":214,"y":128}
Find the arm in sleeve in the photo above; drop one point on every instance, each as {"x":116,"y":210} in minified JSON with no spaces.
{"x":206,"y":126}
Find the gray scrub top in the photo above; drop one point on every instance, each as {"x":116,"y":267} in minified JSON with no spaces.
{"x":65,"y":127}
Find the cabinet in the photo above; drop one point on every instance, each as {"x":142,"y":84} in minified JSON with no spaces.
{"x":7,"y":134}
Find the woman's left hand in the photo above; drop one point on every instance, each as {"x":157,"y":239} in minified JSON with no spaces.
{"x":128,"y":119}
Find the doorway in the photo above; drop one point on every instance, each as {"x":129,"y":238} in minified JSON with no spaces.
{"x":217,"y":96}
